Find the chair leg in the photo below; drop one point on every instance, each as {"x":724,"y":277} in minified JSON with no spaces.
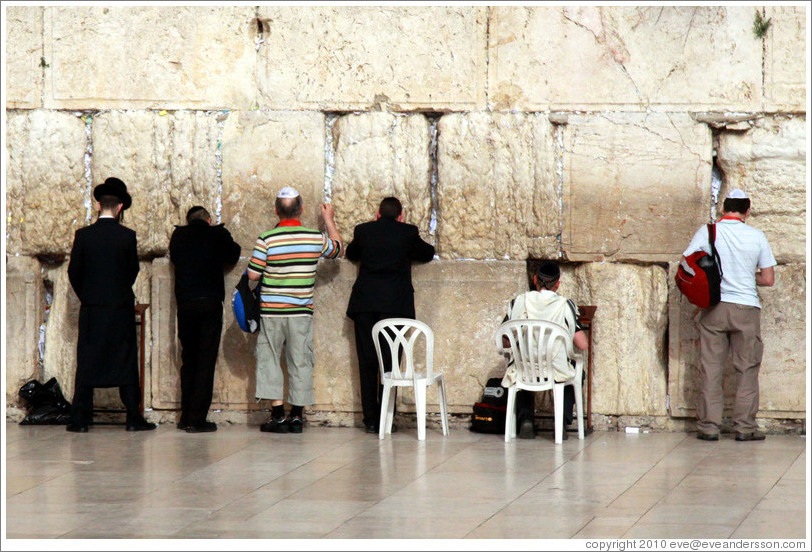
{"x":443,"y":407}
{"x":558,"y":406}
{"x":510,"y":422}
{"x":420,"y":403}
{"x":387,"y":389}
{"x":390,"y":409}
{"x":579,"y":410}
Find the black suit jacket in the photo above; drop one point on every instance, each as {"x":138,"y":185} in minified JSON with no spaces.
{"x":104,"y":264}
{"x":385,"y":249}
{"x":200,"y":253}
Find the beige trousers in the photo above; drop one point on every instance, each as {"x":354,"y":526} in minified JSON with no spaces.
{"x":294,"y":334}
{"x":735,"y":329}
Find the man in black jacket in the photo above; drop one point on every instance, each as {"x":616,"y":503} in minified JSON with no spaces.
{"x":200,"y":252}
{"x":102,"y":270}
{"x":385,"y":248}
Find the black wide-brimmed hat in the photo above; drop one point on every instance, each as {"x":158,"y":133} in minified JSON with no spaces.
{"x":114,"y":187}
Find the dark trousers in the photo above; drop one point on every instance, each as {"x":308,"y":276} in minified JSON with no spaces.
{"x":82,"y":408}
{"x":200,"y":322}
{"x":369,"y":371}
{"x":526,"y":405}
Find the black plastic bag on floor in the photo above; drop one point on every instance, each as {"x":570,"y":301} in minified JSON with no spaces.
{"x":45,"y":403}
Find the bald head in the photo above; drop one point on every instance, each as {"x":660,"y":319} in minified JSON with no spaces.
{"x":289,"y":207}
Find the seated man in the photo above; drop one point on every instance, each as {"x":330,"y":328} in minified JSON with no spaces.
{"x":545,"y":304}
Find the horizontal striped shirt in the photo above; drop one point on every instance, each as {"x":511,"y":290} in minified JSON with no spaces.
{"x":286,"y":259}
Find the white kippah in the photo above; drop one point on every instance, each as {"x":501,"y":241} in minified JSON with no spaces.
{"x":736,"y":193}
{"x":287,"y":192}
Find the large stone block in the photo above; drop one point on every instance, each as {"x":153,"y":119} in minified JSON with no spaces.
{"x":335,"y":377}
{"x":62,"y":334}
{"x":234,"y":374}
{"x":636,"y":186}
{"x":619,"y":57}
{"x":629,"y":372}
{"x":169,"y":163}
{"x":782,"y":379}
{"x":379,"y":155}
{"x":462,"y":301}
{"x":62,"y":330}
{"x":47,"y":193}
{"x":150,"y":57}
{"x":23,"y":57}
{"x":498,"y":189}
{"x":262,"y":152}
{"x":24,"y":312}
{"x":785,"y":66}
{"x":356,"y":58}
{"x":769,"y":163}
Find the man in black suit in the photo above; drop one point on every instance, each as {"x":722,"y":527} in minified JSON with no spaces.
{"x":385,"y":248}
{"x":200,"y":252}
{"x":102,"y":270}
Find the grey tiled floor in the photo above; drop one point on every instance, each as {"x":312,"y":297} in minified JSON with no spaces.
{"x":343,"y":483}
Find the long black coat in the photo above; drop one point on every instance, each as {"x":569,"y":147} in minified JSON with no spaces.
{"x":385,"y":249}
{"x":200,"y":253}
{"x":102,"y":270}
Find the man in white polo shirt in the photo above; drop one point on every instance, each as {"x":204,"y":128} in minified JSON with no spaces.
{"x":735,"y":323}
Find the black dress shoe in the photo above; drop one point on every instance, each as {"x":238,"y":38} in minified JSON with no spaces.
{"x":76,"y":428}
{"x":202,"y":427}
{"x":139,"y":424}
{"x":526,"y":430}
{"x":754,"y":436}
{"x":371,"y":428}
{"x":707,"y":436}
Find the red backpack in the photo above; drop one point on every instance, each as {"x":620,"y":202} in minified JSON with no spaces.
{"x":699,"y":276}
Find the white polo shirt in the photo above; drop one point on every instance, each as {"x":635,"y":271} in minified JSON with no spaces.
{"x":742,"y":249}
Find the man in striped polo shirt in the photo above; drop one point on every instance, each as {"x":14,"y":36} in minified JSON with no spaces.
{"x":285,"y":261}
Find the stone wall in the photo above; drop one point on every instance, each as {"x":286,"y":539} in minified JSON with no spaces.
{"x":583,"y":134}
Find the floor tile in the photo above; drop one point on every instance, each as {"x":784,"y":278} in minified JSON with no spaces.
{"x":340,"y":483}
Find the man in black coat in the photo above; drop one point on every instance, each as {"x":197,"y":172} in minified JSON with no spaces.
{"x":102,"y":270}
{"x":385,"y":248}
{"x":200,"y":253}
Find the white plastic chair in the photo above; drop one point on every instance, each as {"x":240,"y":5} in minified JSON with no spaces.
{"x":533,"y":347}
{"x":401,"y":334}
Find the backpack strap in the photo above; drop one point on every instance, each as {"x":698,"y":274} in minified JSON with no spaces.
{"x":714,"y":252}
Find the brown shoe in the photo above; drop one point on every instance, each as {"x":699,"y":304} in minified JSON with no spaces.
{"x":754,"y":436}
{"x":707,"y":436}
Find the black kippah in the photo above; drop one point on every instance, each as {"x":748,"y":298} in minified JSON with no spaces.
{"x":549,"y":270}
{"x":191,"y":212}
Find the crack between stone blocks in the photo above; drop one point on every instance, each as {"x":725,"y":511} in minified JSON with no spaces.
{"x":717,"y":175}
{"x":42,"y":59}
{"x":330,"y":120}
{"x":259,"y":40}
{"x":763,"y":63}
{"x":487,"y":55}
{"x":88,"y":159}
{"x":218,"y":164}
{"x":434,"y":173}
{"x":558,"y":152}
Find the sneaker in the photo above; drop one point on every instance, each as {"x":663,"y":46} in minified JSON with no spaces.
{"x":275,"y":425}
{"x":754,"y":436}
{"x":526,"y":430}
{"x":296,"y":424}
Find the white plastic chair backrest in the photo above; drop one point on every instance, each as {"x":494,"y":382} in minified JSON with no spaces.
{"x":403,"y":334}
{"x":534,"y":345}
